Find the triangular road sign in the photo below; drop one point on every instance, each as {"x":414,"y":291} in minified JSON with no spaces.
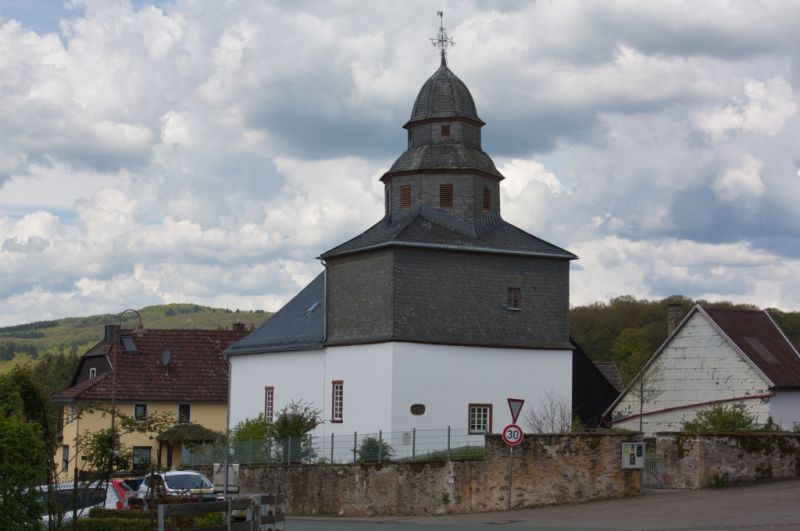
{"x":515,"y":405}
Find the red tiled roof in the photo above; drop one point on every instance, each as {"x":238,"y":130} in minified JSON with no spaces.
{"x":196,"y":371}
{"x":757,"y":335}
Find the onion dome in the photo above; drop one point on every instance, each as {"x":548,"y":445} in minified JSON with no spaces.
{"x":444,"y":95}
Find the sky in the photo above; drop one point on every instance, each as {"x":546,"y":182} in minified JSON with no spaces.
{"x":207,"y":152}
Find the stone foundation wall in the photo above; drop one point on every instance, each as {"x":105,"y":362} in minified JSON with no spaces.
{"x":547,"y":469}
{"x":696,"y":461}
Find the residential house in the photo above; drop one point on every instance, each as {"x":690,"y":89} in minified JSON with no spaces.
{"x":177,"y":371}
{"x":433,"y":316}
{"x":714,"y":356}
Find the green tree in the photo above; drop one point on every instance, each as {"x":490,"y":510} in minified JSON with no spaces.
{"x":721,"y":419}
{"x":631,"y":350}
{"x":257,"y":429}
{"x":373,"y":450}
{"x":291,"y":432}
{"x":23,"y":466}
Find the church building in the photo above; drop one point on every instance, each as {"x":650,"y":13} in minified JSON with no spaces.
{"x":433,"y":316}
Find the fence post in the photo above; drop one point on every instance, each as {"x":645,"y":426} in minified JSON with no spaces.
{"x":161,"y":517}
{"x":289,"y":452}
{"x":332,"y":440}
{"x":448,"y":443}
{"x":380,"y":444}
{"x":413,"y":444}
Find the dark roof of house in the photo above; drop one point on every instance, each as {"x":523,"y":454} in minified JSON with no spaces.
{"x":760,"y":339}
{"x":443,"y":95}
{"x":196,"y":371}
{"x":299,"y":325}
{"x":610,"y":371}
{"x":428,"y":227}
{"x":444,"y":157}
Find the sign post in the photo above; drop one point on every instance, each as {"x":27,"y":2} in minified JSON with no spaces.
{"x":512,"y":436}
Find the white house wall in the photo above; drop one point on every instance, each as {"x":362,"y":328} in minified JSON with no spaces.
{"x":366,"y":371}
{"x":250,"y":374}
{"x":698,"y":366}
{"x":446,"y":379}
{"x":784,"y":408}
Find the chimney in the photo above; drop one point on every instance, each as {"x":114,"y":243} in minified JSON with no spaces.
{"x":674,"y":314}
{"x":112,"y":333}
{"x":238,"y":326}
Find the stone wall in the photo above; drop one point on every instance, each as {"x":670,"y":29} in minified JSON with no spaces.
{"x":696,"y":461}
{"x":548,"y":469}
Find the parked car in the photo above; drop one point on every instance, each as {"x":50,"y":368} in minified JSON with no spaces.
{"x":177,"y":483}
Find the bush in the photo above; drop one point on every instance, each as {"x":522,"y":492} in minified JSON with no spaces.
{"x":373,"y":450}
{"x":721,"y":419}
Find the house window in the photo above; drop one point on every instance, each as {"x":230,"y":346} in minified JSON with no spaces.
{"x":184,"y":412}
{"x":269,"y":404}
{"x":446,"y":130}
{"x":337,"y":390}
{"x":480,"y":418}
{"x":487,"y":200}
{"x":141,"y":457}
{"x":92,"y":373}
{"x":405,"y":197}
{"x":514,"y":299}
{"x":140,"y":411}
{"x":446,"y":195}
{"x":64,"y":458}
{"x":410,"y":138}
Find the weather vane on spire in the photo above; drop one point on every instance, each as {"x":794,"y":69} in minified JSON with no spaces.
{"x":442,"y":40}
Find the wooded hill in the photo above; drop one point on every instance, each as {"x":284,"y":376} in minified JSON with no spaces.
{"x":74,"y":335}
{"x":628,"y":331}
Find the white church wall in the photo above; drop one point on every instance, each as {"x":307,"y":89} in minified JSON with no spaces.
{"x":365,"y":371}
{"x":446,"y":379}
{"x":251,"y":374}
{"x":697,"y":366}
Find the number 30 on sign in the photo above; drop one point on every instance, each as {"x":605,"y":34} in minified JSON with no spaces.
{"x":512,"y":434}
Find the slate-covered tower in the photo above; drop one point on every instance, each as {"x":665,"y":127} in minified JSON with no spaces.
{"x":442,"y":266}
{"x":433,"y":316}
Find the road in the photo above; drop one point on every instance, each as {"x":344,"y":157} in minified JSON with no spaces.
{"x":754,"y":508}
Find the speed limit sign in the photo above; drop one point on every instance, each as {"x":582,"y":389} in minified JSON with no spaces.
{"x":512,"y":434}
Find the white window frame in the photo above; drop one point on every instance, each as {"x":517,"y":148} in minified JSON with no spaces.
{"x":269,"y":403}
{"x":479,"y":419}
{"x":337,"y":401}
{"x":92,"y":373}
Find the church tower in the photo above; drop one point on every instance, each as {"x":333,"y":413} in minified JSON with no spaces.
{"x":433,"y":316}
{"x":442,"y":266}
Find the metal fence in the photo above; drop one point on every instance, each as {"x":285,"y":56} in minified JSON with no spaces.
{"x":402,"y":446}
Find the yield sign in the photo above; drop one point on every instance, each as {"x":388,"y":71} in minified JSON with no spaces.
{"x":515,"y":405}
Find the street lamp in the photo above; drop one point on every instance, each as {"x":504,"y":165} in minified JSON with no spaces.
{"x":114,"y":350}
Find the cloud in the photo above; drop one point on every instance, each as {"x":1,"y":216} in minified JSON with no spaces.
{"x":169,"y":152}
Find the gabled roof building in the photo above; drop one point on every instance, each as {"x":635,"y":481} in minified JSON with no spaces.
{"x":433,"y":316}
{"x":715,"y":356}
{"x":178,"y":371}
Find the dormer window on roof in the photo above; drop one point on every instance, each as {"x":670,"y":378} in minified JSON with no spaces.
{"x":129,"y":345}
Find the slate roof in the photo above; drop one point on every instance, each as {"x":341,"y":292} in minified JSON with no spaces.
{"x":438,"y":157}
{"x":610,"y":372}
{"x":759,"y":338}
{"x":428,"y":227}
{"x":196,"y":372}
{"x":443,"y":95}
{"x":299,"y":325}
